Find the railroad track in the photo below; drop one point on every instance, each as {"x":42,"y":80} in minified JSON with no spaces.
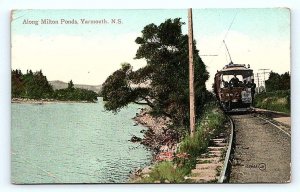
{"x":256,"y":150}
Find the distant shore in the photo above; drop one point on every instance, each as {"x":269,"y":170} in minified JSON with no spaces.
{"x":43,"y":101}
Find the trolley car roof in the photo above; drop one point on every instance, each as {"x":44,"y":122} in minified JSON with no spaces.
{"x":239,"y":69}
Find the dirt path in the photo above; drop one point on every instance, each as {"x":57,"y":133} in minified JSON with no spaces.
{"x":263,"y":152}
{"x":282,"y":118}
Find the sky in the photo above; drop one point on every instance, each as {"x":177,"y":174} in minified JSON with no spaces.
{"x":89,"y":53}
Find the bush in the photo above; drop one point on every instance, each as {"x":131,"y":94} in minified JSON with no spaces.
{"x":165,"y":172}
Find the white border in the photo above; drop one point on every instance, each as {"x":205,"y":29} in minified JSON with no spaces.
{"x":7,"y":5}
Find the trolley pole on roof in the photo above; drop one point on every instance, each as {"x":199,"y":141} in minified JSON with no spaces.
{"x":191,"y":74}
{"x":228,"y":52}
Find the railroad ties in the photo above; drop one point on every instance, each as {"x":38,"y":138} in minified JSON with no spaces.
{"x":209,"y":164}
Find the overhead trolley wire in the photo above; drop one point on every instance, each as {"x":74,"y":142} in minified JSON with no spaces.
{"x":232,"y":21}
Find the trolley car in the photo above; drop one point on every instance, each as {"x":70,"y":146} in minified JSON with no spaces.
{"x":234,"y":87}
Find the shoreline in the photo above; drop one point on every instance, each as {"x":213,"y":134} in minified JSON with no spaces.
{"x":44,"y":101}
{"x":160,"y":139}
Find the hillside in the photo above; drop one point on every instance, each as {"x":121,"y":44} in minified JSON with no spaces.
{"x":62,"y":85}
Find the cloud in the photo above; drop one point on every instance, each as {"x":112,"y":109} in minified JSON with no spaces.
{"x":85,"y":60}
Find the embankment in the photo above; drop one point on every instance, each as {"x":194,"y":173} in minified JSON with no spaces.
{"x":158,"y":137}
{"x":274,"y":101}
{"x":174,"y":153}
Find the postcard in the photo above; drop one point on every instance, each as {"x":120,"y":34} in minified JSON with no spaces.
{"x":150,"y":96}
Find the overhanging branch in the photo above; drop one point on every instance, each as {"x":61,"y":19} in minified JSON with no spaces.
{"x":141,"y":103}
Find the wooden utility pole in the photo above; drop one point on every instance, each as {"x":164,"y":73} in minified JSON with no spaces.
{"x":191,"y":74}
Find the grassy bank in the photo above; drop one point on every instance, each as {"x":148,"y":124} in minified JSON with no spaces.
{"x":275,"y":101}
{"x":184,"y":161}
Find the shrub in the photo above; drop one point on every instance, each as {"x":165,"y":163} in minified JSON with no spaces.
{"x":165,"y":172}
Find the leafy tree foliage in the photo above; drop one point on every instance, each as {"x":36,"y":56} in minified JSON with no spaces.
{"x":163,"y":84}
{"x":278,"y":82}
{"x":17,"y":83}
{"x":30,"y":85}
{"x":35,"y":86}
{"x":71,"y":85}
{"x":75,"y":94}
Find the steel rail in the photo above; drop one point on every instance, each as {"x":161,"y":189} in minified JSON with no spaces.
{"x":224,"y":170}
{"x":285,"y":132}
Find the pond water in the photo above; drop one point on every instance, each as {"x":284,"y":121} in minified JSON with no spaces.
{"x":74,"y":143}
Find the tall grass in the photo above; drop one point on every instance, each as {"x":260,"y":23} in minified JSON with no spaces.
{"x":275,"y":101}
{"x":207,"y":127}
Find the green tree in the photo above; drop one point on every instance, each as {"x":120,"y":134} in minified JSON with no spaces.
{"x":278,"y":82}
{"x":36,"y":86}
{"x":75,"y":94}
{"x":17,"y":84}
{"x":71,"y":85}
{"x":163,"y":83}
{"x":30,"y":85}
